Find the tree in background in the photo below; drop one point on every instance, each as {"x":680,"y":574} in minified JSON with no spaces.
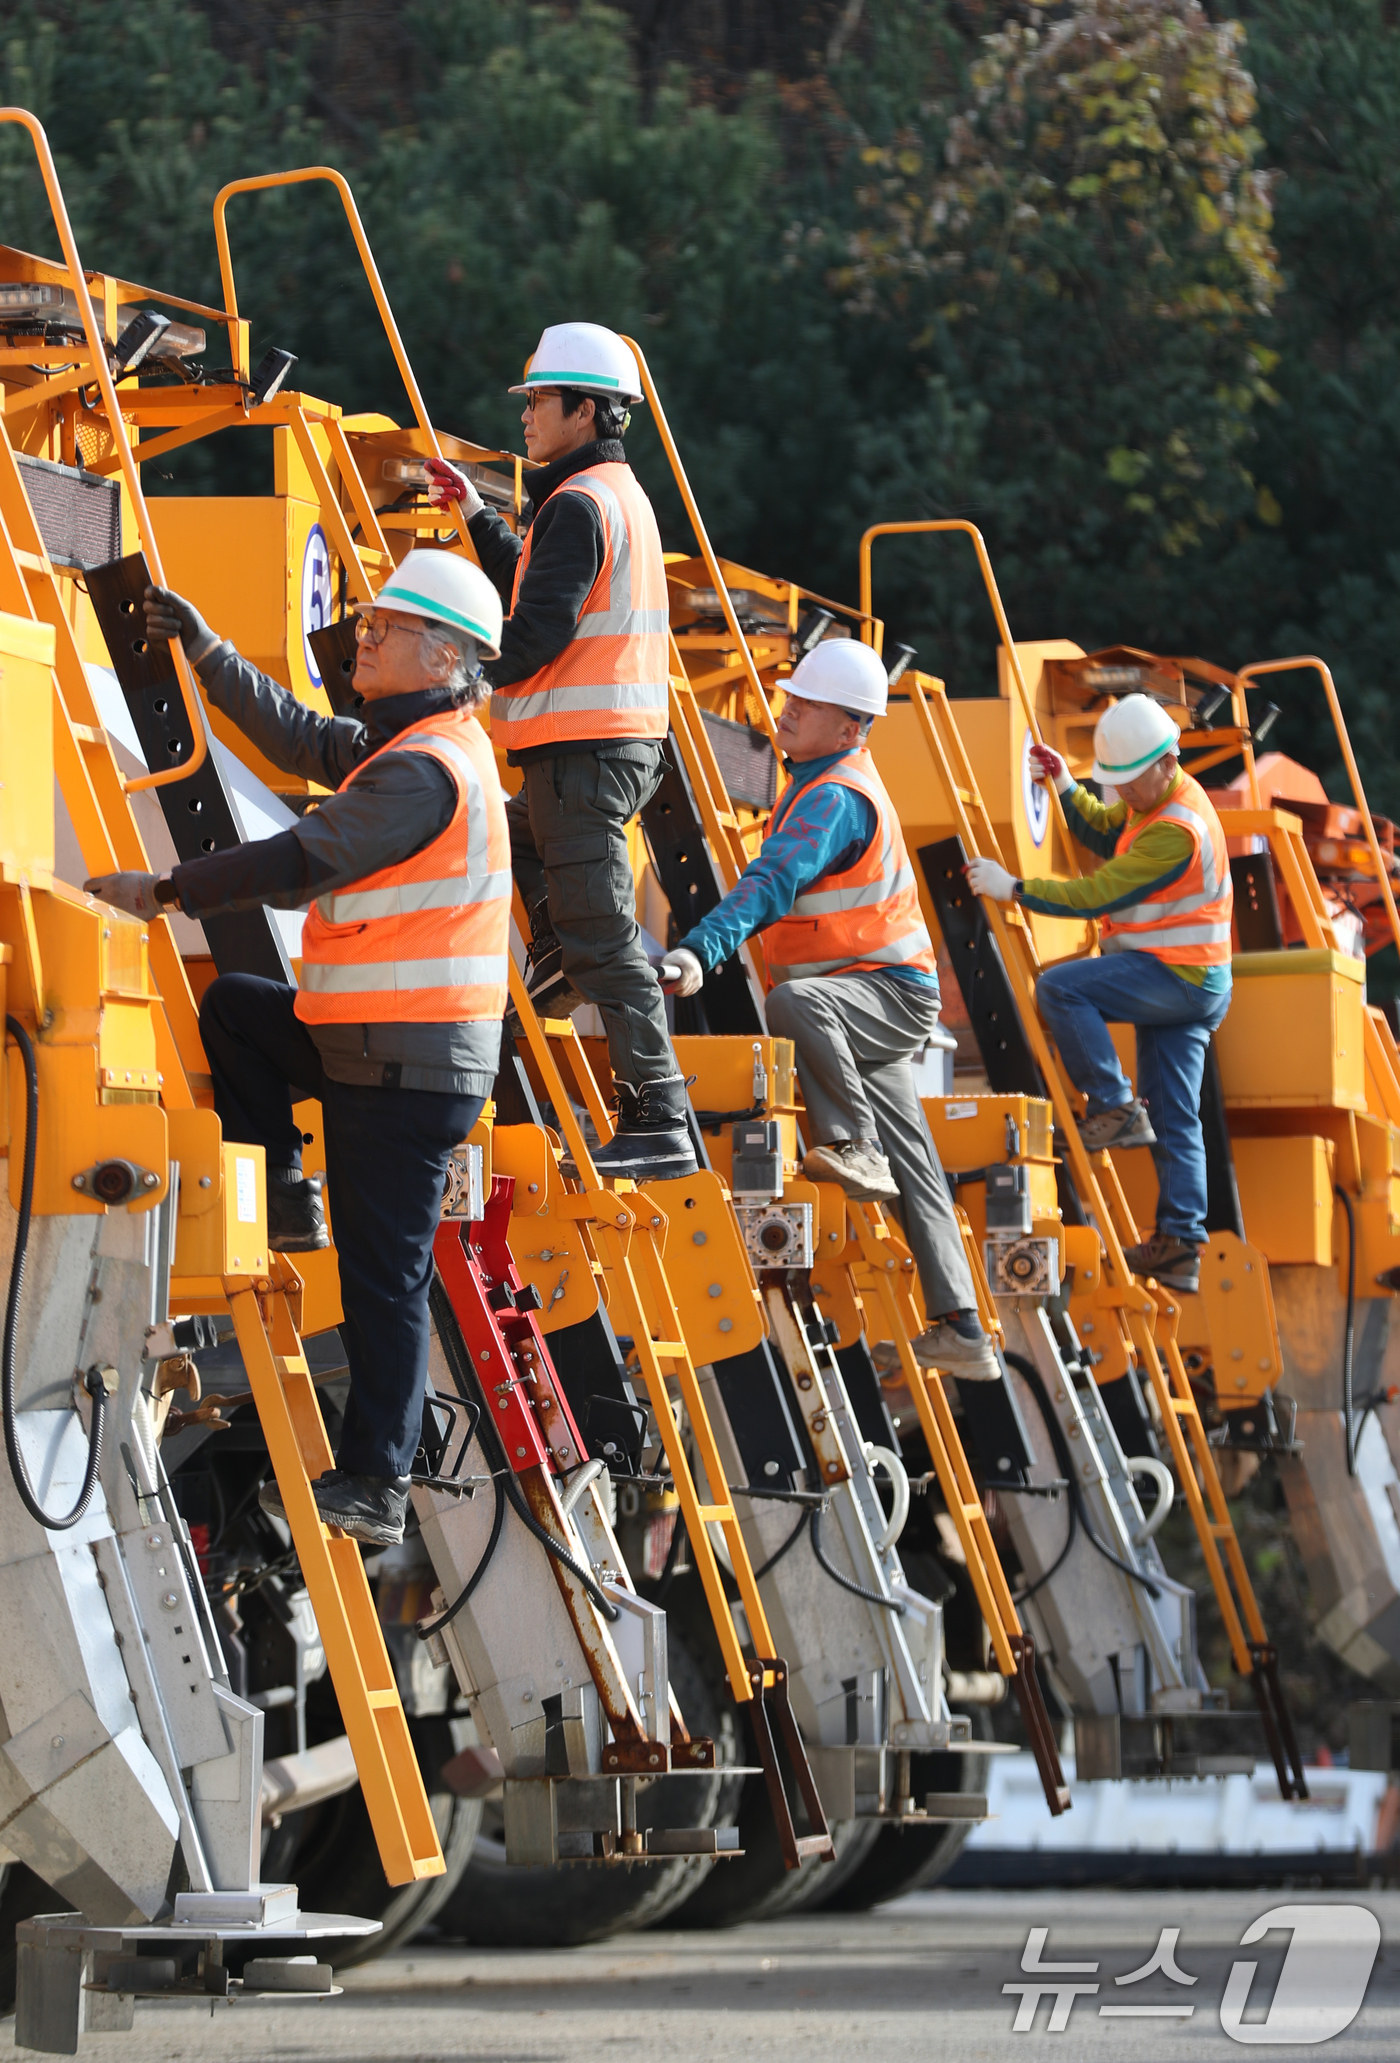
{"x":1076,"y":243}
{"x":1329,"y":94}
{"x":954,"y":257}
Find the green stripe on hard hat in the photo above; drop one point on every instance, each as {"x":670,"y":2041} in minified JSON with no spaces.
{"x":388,"y":597}
{"x":570,"y":379}
{"x":1126,"y":766}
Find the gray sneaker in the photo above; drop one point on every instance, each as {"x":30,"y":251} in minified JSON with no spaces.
{"x":954,"y":1346}
{"x":858,"y":1165}
{"x":1129,"y":1125}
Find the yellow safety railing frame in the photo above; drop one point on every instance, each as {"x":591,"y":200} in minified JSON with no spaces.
{"x":1263,"y":667}
{"x":261,"y":183}
{"x":131,"y":476}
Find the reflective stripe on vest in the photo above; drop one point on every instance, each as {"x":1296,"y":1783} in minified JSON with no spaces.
{"x":1188,"y":922}
{"x":426,"y":940}
{"x":611,"y":679}
{"x":863,"y":920}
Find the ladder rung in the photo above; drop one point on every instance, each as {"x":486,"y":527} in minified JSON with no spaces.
{"x":1185,"y":1407}
{"x":669,"y":1349}
{"x":381,"y":1701}
{"x":715,"y":1512}
{"x":974,"y":1512}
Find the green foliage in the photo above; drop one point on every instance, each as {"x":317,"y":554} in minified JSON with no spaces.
{"x":1075,"y":279}
{"x":1330,"y":107}
{"x":1077,"y":234}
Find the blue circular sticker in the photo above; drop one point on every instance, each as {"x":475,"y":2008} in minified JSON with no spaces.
{"x":316,"y":600}
{"x":1035,"y":797}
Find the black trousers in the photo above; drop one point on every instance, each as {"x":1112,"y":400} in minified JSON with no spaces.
{"x":386,"y":1156}
{"x":568,"y":841}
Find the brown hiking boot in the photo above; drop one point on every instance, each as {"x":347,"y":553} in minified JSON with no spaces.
{"x":1175,"y":1263}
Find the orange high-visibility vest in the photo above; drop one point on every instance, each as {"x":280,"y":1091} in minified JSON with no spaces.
{"x":427,"y":940}
{"x":611,"y":680}
{"x":864,"y":921}
{"x":1187,"y":923}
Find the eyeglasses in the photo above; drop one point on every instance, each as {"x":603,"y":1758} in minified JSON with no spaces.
{"x":372,"y":630}
{"x":535,"y":395}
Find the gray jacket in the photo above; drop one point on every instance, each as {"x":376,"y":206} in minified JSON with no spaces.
{"x":386,"y":814}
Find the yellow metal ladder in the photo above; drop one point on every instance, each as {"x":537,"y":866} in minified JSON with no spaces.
{"x":1147,"y":1313}
{"x":626,"y":1227}
{"x":265,"y":1321}
{"x":264,"y":1307}
{"x":881,"y":1270}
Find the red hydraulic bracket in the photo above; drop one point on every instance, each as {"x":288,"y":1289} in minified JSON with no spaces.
{"x":495,"y":1311}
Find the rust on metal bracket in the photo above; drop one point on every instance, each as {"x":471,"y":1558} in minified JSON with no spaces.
{"x":1037,"y":1719}
{"x":769,"y":1678}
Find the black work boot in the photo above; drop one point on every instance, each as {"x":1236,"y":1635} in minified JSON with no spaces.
{"x":296,"y":1222}
{"x":546,"y":983}
{"x":1175,"y":1263}
{"x":369,"y":1508}
{"x":270,"y":1497}
{"x":652,"y":1140}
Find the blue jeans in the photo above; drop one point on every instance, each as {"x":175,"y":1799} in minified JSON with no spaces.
{"x":1174,"y":1020}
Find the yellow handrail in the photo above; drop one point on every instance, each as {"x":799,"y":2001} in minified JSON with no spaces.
{"x":130,"y":472}
{"x":1263,"y":666}
{"x":707,"y":550}
{"x":979,"y":545}
{"x":301,"y":177}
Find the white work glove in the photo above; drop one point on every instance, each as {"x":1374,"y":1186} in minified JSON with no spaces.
{"x":985,"y":877}
{"x":1048,"y":768}
{"x":134,"y":893}
{"x":681,"y":973}
{"x":450,"y":483}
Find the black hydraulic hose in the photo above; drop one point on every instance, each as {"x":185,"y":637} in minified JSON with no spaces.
{"x":1348,"y":1352}
{"x":793,"y":1537}
{"x":1028,"y":1371}
{"x":561,"y":1554}
{"x":872,"y":1597}
{"x":431,"y":1626}
{"x":1072,"y":1508}
{"x":673,"y":1555}
{"x":92,"y":1381}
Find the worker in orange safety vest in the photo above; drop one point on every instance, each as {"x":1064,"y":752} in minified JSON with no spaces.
{"x":581,"y":706}
{"x":1163,"y":898}
{"x":854,"y":982}
{"x":396,"y":1024}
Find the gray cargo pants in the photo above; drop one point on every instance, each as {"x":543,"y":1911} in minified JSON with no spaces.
{"x":855,"y":1036}
{"x":568,"y":842}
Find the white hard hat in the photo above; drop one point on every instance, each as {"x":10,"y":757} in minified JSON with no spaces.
{"x":844,"y":672}
{"x":448,"y":589}
{"x":1130,"y":737}
{"x":586,"y":356}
